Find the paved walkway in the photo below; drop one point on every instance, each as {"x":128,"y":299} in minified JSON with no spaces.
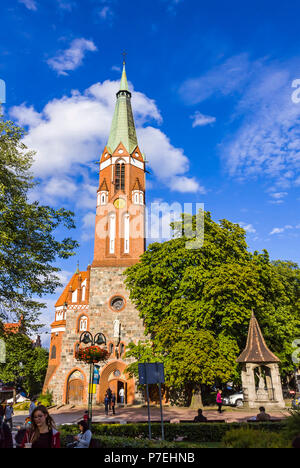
{"x":137,"y":413}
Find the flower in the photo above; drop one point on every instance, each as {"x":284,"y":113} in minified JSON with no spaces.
{"x":92,"y":354}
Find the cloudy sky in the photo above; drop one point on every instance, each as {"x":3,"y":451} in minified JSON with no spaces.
{"x":216,"y":99}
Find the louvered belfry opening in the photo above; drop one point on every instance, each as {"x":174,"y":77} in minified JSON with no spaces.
{"x":120,"y":177}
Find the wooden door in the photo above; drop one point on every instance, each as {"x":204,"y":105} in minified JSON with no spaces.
{"x":75,"y":392}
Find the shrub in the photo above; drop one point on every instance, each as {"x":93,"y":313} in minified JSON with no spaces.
{"x":126,"y":442}
{"x":45,"y":399}
{"x":251,"y":438}
{"x":198,"y":432}
{"x":24,"y":406}
{"x":292,"y":428}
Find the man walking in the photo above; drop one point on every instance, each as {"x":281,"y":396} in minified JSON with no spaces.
{"x":9,"y":411}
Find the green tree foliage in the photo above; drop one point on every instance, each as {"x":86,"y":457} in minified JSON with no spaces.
{"x":28,"y":246}
{"x":25,"y":365}
{"x":196,"y":303}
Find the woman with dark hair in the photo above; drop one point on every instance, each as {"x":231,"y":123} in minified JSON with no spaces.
{"x":42,"y":433}
{"x":83,"y":439}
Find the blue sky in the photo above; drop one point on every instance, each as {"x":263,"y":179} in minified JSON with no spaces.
{"x":215,"y":108}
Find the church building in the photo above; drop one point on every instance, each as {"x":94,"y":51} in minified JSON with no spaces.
{"x":96,"y":300}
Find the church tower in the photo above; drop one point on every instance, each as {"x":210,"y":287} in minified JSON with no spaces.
{"x":119,"y":232}
{"x":97,"y":300}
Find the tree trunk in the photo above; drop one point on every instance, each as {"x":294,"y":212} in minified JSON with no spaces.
{"x":196,"y":401}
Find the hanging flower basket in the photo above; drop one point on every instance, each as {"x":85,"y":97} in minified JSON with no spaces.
{"x":92,"y":354}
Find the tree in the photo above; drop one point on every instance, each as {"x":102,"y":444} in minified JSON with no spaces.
{"x":25,"y":365}
{"x":28,"y":246}
{"x":196,"y":303}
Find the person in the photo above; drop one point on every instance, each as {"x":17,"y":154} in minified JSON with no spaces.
{"x":106,"y":403}
{"x":32,"y":406}
{"x":83,"y":439}
{"x":219,"y":401}
{"x":109,"y":394}
{"x":2,"y":410}
{"x":86,"y":416}
{"x":113,"y":402}
{"x":9,"y":411}
{"x":121,"y":395}
{"x":6,"y":440}
{"x":263,"y":416}
{"x":200,"y":417}
{"x":21,"y":431}
{"x":42,"y":433}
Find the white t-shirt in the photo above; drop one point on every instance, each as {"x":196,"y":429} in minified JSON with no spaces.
{"x":121,"y":392}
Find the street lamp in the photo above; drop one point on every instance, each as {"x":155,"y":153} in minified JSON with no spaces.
{"x":88,"y":339}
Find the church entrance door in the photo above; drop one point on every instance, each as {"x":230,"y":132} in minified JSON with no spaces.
{"x":75,"y":392}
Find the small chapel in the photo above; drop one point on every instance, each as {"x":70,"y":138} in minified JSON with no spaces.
{"x":96,"y":300}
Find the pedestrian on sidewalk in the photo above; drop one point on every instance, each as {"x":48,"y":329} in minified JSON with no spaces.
{"x":113,"y":402}
{"x":106,"y":403}
{"x":121,"y":395}
{"x":9,"y":411}
{"x":86,"y":416}
{"x":32,"y":406}
{"x":42,"y":433}
{"x":109,"y":394}
{"x":219,"y":401}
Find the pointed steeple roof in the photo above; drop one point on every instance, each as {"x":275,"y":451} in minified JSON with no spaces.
{"x":256,"y":349}
{"x":123,"y":128}
{"x":103,"y":186}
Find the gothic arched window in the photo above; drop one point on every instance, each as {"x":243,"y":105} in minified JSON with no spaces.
{"x":83,"y":323}
{"x":120,"y":176}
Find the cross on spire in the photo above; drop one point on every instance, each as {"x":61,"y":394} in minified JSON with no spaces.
{"x":124,"y":56}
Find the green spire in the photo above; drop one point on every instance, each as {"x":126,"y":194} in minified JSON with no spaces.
{"x":123,"y":128}
{"x":124,"y":84}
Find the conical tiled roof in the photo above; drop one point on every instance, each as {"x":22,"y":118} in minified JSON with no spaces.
{"x":123,"y":128}
{"x":256,"y":349}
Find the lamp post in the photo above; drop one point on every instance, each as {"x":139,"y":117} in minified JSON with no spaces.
{"x":99,"y":339}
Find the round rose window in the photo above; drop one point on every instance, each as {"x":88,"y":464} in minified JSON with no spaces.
{"x":117,"y":303}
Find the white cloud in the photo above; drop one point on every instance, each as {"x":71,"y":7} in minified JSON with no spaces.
{"x":70,"y":133}
{"x":70,"y":59}
{"x":221,"y":80}
{"x":66,"y":4}
{"x":200,"y":120}
{"x":30,"y":4}
{"x":248,"y":227}
{"x":280,"y":230}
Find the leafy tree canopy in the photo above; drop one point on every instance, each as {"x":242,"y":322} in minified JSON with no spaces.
{"x":196,"y":303}
{"x":28,"y":246}
{"x":25,"y":365}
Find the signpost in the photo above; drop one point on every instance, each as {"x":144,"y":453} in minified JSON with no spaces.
{"x":153,"y":373}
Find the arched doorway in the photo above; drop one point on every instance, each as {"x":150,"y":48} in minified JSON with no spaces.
{"x":113,"y":375}
{"x":75,"y":389}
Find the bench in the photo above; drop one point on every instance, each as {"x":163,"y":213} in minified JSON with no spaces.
{"x":270,"y":420}
{"x":186,"y":421}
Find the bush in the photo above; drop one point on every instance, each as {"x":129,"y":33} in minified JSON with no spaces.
{"x":198,"y":432}
{"x":24,"y":406}
{"x":125,"y":442}
{"x":251,"y":438}
{"x":292,"y":428}
{"x":45,"y":399}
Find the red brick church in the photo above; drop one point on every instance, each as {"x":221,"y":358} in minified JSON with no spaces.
{"x":96,"y":300}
